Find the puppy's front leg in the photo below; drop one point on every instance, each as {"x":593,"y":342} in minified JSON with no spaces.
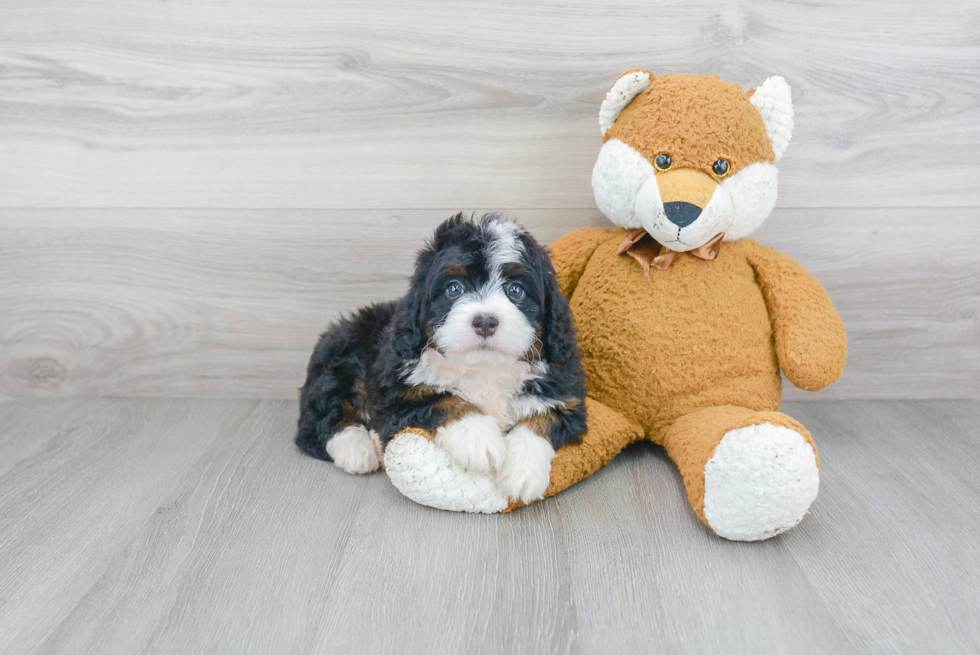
{"x":471,"y":438}
{"x":526,"y":472}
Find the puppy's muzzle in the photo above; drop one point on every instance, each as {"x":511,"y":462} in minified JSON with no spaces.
{"x":485,"y":326}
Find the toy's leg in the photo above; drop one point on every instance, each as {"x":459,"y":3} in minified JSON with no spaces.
{"x":424,"y":472}
{"x":749,"y":475}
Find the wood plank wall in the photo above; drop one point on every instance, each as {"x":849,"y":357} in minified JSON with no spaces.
{"x":190,"y":191}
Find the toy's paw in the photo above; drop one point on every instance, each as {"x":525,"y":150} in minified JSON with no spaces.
{"x":353,"y":450}
{"x":474,"y":442}
{"x":526,"y":472}
{"x":760,"y":482}
{"x":424,"y":472}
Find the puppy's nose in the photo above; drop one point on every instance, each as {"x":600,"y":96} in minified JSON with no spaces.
{"x":681,"y":214}
{"x":485,"y":325}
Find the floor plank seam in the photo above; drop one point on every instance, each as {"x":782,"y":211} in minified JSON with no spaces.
{"x":110,"y":561}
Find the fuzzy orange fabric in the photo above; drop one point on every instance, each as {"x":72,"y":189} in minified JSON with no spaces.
{"x":692,"y":352}
{"x":571,"y":258}
{"x":419,"y":431}
{"x":695,"y":335}
{"x":696,"y":120}
{"x":811,"y":342}
{"x":691,"y":441}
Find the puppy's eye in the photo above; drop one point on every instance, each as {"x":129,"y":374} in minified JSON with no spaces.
{"x":515,"y":291}
{"x":454,"y":289}
{"x":663,"y":162}
{"x":720,"y":168}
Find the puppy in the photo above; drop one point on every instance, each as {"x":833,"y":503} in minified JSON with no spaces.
{"x":481,"y":352}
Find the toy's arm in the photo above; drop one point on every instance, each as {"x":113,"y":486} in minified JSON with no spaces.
{"x":571,"y":253}
{"x":811,"y":342}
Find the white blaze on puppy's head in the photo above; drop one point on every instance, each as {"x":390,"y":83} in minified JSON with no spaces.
{"x":484,"y":326}
{"x":687,"y":157}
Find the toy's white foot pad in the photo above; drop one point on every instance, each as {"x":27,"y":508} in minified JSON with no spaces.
{"x":426,"y":473}
{"x":760,"y":482}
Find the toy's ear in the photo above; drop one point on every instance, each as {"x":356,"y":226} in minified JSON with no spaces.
{"x":774,"y":101}
{"x":629,"y":85}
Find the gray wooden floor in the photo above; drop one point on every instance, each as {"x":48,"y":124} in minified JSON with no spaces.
{"x":191,"y":190}
{"x":188,"y":526}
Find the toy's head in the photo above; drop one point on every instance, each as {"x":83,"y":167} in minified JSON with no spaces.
{"x":687,"y":157}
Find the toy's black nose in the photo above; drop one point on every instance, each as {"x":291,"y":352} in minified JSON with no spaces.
{"x":485,"y":325}
{"x":681,"y":214}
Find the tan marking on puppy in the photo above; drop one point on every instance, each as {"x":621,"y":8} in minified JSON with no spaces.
{"x":360,"y":392}
{"x":419,"y":393}
{"x":540,"y":424}
{"x":353,"y":414}
{"x":456,"y":408}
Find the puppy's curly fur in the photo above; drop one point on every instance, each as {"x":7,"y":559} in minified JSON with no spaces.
{"x":483,"y":331}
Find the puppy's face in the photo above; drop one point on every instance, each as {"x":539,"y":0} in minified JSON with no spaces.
{"x":485,"y":296}
{"x":480,"y":293}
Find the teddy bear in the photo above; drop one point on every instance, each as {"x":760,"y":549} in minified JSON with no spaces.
{"x":684,"y":322}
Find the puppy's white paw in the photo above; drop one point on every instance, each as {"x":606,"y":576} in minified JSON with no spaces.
{"x":474,"y":442}
{"x":353,"y":450}
{"x":526,"y":472}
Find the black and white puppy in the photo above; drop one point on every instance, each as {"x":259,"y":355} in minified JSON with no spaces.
{"x":481,"y":352}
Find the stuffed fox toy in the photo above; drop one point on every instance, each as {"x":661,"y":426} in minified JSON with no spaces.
{"x":684,"y":323}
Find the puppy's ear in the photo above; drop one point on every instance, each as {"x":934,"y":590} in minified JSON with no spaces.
{"x":408,"y":324}
{"x":558,"y":331}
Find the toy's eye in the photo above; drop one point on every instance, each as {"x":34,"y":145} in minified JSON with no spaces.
{"x":720,"y":168}
{"x":663,"y":162}
{"x":515,"y":291}
{"x":454,"y":289}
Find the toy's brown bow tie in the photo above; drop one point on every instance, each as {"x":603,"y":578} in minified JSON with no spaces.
{"x":642,"y":247}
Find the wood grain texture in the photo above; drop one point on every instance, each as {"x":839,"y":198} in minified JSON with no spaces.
{"x":191,"y":191}
{"x":66,"y":508}
{"x":258,"y":549}
{"x":386,"y":104}
{"x":917,"y":518}
{"x":26,"y":431}
{"x":230,"y":303}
